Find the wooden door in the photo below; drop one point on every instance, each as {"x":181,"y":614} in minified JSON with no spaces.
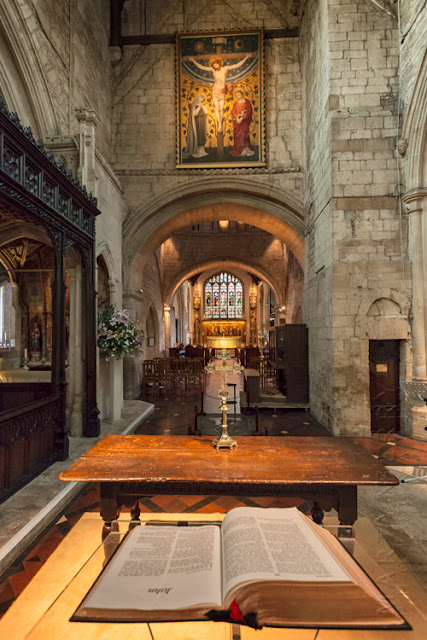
{"x":384,"y":385}
{"x":296,"y":362}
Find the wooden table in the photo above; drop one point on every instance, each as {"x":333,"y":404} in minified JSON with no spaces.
{"x":326,"y":471}
{"x":43,"y":610}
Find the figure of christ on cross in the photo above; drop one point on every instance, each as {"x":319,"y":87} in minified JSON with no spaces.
{"x":219,"y":71}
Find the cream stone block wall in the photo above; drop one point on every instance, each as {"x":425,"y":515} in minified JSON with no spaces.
{"x":356,"y":248}
{"x":144,"y":103}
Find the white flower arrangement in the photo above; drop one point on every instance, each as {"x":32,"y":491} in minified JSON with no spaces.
{"x":117,"y":333}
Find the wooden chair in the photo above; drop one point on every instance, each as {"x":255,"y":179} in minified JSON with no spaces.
{"x":149,"y":377}
{"x":179,"y":373}
{"x":165,"y":377}
{"x":269,"y":374}
{"x":195,"y":374}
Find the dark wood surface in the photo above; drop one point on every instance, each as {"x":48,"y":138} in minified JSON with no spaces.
{"x":266,"y":461}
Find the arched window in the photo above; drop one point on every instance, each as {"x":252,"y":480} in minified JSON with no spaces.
{"x":223,"y":297}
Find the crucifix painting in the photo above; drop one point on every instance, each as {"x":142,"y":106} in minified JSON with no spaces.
{"x":220,"y":100}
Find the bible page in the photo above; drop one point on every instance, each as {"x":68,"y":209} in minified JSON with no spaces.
{"x":274,"y":544}
{"x":161,"y":567}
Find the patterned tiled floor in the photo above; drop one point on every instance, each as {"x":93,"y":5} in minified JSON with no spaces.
{"x":394,"y":450}
{"x":173,"y":416}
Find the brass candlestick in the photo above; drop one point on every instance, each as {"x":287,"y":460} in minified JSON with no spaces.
{"x":224,"y":441}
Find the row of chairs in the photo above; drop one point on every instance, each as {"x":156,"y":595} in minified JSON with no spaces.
{"x":172,"y":375}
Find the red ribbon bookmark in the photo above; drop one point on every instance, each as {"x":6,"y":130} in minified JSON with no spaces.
{"x":235,"y":613}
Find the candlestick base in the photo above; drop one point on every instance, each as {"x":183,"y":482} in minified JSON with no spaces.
{"x":224,"y":441}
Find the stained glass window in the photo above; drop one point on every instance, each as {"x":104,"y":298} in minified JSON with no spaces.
{"x":239,"y":300}
{"x":223,"y":296}
{"x":231,"y":301}
{"x":223,"y":300}
{"x":215,"y":291}
{"x":208,"y":300}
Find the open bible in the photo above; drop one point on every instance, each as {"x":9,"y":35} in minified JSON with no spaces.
{"x":271,"y":567}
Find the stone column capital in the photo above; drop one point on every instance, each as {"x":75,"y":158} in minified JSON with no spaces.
{"x":87,"y":116}
{"x":414,"y":199}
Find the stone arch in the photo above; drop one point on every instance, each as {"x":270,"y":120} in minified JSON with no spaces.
{"x":384,"y":307}
{"x":24,"y":229}
{"x":211,"y":199}
{"x":383,"y":318}
{"x":104,"y":252}
{"x":415,"y":131}
{"x":223,"y":264}
{"x":152,"y":324}
{"x":22,"y":78}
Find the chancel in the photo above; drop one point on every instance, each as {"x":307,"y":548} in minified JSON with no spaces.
{"x":190,"y":189}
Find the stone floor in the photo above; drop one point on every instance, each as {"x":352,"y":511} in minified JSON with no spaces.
{"x":398,"y":512}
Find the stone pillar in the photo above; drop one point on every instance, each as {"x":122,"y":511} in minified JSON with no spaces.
{"x":253,"y":336}
{"x":173,"y":338}
{"x":197,"y":338}
{"x":75,"y":374}
{"x":15,"y":304}
{"x":167,"y":326}
{"x":415,"y":202}
{"x":115,"y":381}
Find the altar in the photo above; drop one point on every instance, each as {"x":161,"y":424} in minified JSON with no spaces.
{"x":222,"y":334}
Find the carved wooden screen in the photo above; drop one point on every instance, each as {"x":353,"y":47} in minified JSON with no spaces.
{"x":35,"y":189}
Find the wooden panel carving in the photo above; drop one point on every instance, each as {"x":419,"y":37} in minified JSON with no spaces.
{"x":27,"y":443}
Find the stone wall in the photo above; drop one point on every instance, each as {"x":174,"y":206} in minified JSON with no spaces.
{"x":318,"y":310}
{"x":144,"y":98}
{"x":294,"y":290}
{"x":364,"y":235}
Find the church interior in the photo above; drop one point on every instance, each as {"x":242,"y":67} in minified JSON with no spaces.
{"x":211,"y":207}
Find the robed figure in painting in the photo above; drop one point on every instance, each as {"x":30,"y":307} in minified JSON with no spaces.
{"x":197,"y":129}
{"x":241,"y":116}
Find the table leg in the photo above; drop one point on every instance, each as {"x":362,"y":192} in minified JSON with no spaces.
{"x":347,"y":505}
{"x":317,"y":513}
{"x":109,"y":506}
{"x":135,"y":512}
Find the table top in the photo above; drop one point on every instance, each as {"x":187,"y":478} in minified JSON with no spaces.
{"x":260,"y":461}
{"x":43,"y":610}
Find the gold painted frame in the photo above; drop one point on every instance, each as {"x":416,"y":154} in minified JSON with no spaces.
{"x":220,"y":100}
